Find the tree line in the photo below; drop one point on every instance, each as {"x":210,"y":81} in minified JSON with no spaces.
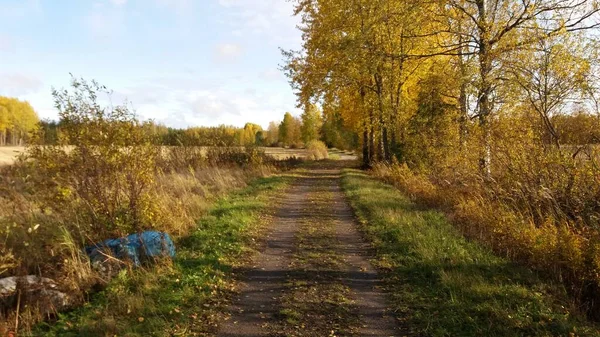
{"x":292,"y":132}
{"x":385,"y":66}
{"x":487,"y":108}
{"x":17,"y":120}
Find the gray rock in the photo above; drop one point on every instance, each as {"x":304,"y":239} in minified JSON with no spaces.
{"x":35,"y":291}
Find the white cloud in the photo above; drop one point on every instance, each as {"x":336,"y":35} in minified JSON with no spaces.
{"x":105,"y":22}
{"x":234,"y":107}
{"x":271,"y":18}
{"x":193,"y":101}
{"x":181,"y":101}
{"x":227,"y":52}
{"x":272,"y":74}
{"x":156,"y":113}
{"x":118,"y":3}
{"x":18,"y":9}
{"x":210,"y":104}
{"x":6,"y":43}
{"x":17,"y":84}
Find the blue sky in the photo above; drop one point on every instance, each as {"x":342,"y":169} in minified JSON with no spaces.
{"x":180,"y":62}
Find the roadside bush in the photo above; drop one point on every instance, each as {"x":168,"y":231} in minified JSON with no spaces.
{"x":102,"y":167}
{"x":104,"y":177}
{"x":539,"y":205}
{"x":101,"y":179}
{"x":181,"y":158}
{"x":317,"y":150}
{"x":242,"y":157}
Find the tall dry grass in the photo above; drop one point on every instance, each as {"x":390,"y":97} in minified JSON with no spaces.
{"x":539,"y":206}
{"x":104,"y":178}
{"x":36,"y":241}
{"x":317,"y":150}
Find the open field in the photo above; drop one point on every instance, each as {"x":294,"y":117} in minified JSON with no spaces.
{"x":282,"y":154}
{"x":8,"y":154}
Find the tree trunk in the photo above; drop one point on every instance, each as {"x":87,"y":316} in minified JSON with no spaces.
{"x":372,"y":149}
{"x":383,"y":141}
{"x":394,"y":142}
{"x":394,"y":122}
{"x":386,"y":144}
{"x":485,"y":68}
{"x":462,"y":100}
{"x":486,"y":154}
{"x":365,"y":147}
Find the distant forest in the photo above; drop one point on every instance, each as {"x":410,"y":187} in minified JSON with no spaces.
{"x":19,"y":121}
{"x":292,"y":132}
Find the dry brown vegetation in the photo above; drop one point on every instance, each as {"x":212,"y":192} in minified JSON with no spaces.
{"x":537,"y":206}
{"x":9,"y":154}
{"x":478,"y":107}
{"x":49,"y":244}
{"x":105,"y":178}
{"x":317,"y":150}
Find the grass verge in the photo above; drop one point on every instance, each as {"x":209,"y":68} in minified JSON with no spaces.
{"x":443,"y":285}
{"x":185,"y":297}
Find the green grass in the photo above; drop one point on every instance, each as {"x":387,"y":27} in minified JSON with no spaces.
{"x":186,"y":297}
{"x":443,"y":285}
{"x":336,"y":154}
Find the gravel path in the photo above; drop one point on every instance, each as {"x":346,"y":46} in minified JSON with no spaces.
{"x":258,"y":309}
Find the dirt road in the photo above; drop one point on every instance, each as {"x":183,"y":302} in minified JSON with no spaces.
{"x":313,"y":278}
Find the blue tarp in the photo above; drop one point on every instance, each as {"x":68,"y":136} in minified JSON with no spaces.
{"x":135,"y":248}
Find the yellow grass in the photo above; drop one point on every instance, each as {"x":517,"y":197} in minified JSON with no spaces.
{"x":8,"y":154}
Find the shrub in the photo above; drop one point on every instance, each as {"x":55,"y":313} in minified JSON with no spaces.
{"x":317,"y":150}
{"x":102,"y":167}
{"x":7,"y":260}
{"x":102,"y":179}
{"x":182,"y":158}
{"x":538,"y":207}
{"x":94,"y":183}
{"x":242,"y":157}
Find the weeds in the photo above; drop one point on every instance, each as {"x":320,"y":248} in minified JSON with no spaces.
{"x":103,"y":179}
{"x":444,"y":285}
{"x":317,"y":150}
{"x":538,"y":210}
{"x":183,"y":297}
